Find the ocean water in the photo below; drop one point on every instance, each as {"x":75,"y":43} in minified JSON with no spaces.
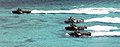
{"x":47,"y":30}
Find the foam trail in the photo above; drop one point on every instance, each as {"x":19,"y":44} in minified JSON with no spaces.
{"x":104,"y":19}
{"x":105,"y":33}
{"x":80,"y":11}
{"x":101,"y":28}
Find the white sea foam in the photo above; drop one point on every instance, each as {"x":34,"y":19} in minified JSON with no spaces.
{"x":105,"y":33}
{"x":104,"y":19}
{"x":80,"y":11}
{"x":101,"y":28}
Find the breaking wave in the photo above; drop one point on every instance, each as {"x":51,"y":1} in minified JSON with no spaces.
{"x":79,"y":11}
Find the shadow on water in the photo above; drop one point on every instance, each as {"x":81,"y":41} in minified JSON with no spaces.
{"x":5,"y":33}
{"x":29,"y":40}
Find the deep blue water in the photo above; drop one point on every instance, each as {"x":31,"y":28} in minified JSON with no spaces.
{"x":47,"y":30}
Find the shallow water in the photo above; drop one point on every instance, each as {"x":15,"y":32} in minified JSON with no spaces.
{"x":47,"y":30}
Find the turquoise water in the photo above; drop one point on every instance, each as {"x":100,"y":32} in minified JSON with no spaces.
{"x":47,"y":30}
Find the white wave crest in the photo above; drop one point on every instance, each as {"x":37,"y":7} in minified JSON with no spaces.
{"x":80,"y":11}
{"x":101,"y":28}
{"x":105,"y":33}
{"x":105,"y":19}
